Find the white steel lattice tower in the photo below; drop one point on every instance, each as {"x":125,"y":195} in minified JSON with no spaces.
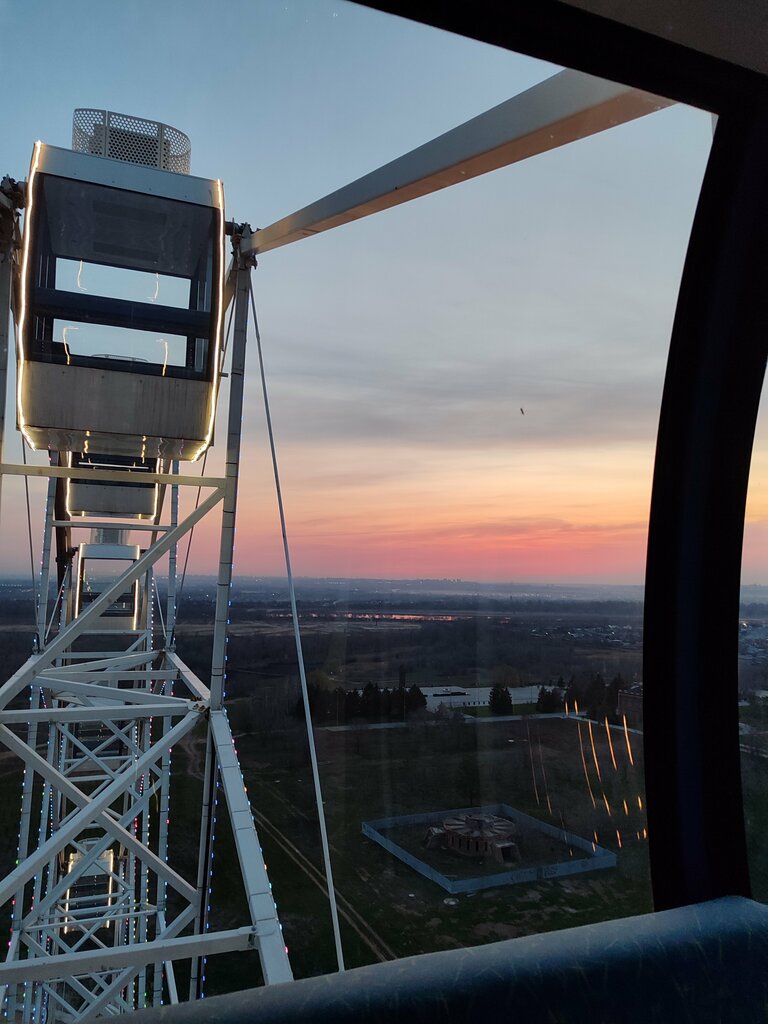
{"x":120,"y":390}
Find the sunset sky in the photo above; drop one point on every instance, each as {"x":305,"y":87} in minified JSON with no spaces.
{"x":401,"y":349}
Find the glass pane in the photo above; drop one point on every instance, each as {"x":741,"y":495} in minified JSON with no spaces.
{"x":118,"y":283}
{"x":465,"y":392}
{"x":467,"y":450}
{"x":753,"y":662}
{"x":83,"y":221}
{"x":101,"y":573}
{"x":100,"y":342}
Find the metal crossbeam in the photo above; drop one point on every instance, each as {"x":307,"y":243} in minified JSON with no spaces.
{"x":92,"y":810}
{"x":258,"y":891}
{"x":116,"y":476}
{"x":27,"y":673}
{"x":79,"y":713}
{"x":66,"y":688}
{"x":562,"y":109}
{"x":45,"y":968}
{"x":189,"y":677}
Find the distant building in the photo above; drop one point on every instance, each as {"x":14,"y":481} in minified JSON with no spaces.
{"x":631,"y":705}
{"x":474,"y":696}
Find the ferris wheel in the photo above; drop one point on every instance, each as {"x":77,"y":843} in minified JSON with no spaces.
{"x":121,"y":402}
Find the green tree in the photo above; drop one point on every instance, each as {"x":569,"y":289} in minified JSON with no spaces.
{"x":500,"y":700}
{"x":415,"y":699}
{"x":549,"y":701}
{"x":370,"y":702}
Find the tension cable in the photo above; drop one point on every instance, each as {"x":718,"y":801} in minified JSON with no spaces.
{"x":299,"y":651}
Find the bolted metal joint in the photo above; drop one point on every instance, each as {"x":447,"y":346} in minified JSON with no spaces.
{"x":14,"y":191}
{"x":241,"y":245}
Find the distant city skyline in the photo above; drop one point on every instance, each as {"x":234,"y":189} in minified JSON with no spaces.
{"x":465,"y":386}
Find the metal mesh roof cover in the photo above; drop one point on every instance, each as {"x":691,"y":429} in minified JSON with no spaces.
{"x":131,"y":139}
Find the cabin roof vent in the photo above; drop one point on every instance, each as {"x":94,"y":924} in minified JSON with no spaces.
{"x":131,"y":139}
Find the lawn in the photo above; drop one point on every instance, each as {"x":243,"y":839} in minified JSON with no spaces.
{"x":485,"y":712}
{"x":535,"y":766}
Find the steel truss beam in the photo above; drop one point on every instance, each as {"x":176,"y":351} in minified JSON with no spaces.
{"x":111,"y":959}
{"x":115,"y":476}
{"x":93,"y":930}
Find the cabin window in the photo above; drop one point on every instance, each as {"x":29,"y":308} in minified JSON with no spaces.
{"x":478,"y":413}
{"x":97,"y":575}
{"x":122,"y":280}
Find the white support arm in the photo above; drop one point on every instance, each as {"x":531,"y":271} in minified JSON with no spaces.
{"x":562,"y":109}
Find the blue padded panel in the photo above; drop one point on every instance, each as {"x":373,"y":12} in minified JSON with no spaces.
{"x":703,"y":964}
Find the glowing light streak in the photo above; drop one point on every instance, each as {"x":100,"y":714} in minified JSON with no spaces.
{"x":618,"y":837}
{"x":153,"y":298}
{"x":64,"y":333}
{"x":594,"y":753}
{"x":607,"y":805}
{"x":629,"y":745}
{"x":24,"y":290}
{"x":79,"y":275}
{"x":639,"y":801}
{"x":610,"y":743}
{"x":219,"y":323}
{"x":135,"y":604}
{"x":584,"y":764}
{"x":80,"y":581}
{"x":533,"y":769}
{"x":626,"y":808}
{"x":544,"y":775}
{"x":162,"y":341}
{"x":567,"y":712}
{"x":576,"y":707}
{"x":68,"y":482}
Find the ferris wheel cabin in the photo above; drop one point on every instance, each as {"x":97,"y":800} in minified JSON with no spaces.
{"x":122,"y":293}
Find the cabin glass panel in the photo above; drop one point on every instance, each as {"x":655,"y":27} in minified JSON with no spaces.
{"x":110,"y":269}
{"x":753,"y":661}
{"x":96,"y":575}
{"x":471,"y":456}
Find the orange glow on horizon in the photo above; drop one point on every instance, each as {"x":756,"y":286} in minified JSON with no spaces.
{"x":395,"y":512}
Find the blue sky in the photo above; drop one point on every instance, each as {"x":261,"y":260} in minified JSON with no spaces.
{"x":400,"y":349}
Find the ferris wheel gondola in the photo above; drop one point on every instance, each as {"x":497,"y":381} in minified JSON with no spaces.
{"x":112,"y":367}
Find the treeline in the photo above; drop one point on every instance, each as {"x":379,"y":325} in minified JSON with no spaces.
{"x":550,"y":700}
{"x":594,"y":695}
{"x":371,"y":703}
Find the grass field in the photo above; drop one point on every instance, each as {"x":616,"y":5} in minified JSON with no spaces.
{"x":485,"y":712}
{"x":387,"y":909}
{"x":369,"y":774}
